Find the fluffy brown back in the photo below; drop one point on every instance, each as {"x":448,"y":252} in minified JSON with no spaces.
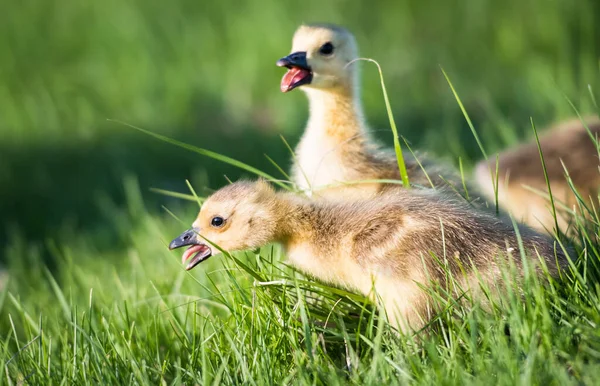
{"x":419,"y":223}
{"x":568,"y":143}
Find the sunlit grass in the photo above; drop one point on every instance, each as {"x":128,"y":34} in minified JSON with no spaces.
{"x":247,"y":318}
{"x":109,"y":304}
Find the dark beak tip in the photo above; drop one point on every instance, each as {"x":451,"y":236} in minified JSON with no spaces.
{"x":186,"y":238}
{"x":295,"y":59}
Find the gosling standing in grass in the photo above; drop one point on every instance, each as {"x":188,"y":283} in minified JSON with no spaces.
{"x":522,"y":187}
{"x":384,"y":244}
{"x":336,"y":147}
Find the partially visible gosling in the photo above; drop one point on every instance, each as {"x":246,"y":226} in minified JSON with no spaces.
{"x":336,"y":147}
{"x":383,"y":244}
{"x":520,"y":170}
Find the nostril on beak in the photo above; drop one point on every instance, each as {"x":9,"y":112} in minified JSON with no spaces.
{"x":186,"y":238}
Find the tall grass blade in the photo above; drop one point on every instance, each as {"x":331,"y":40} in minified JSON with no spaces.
{"x":397,"y":147}
{"x":466,"y":115}
{"x":169,"y":193}
{"x":537,"y":141}
{"x":205,"y":152}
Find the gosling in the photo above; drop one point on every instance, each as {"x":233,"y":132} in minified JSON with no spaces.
{"x":522,"y":187}
{"x":336,"y":151}
{"x":380,"y":248}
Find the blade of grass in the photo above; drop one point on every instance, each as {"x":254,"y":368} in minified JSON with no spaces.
{"x":585,"y":125}
{"x":59,"y":294}
{"x":418,"y":162}
{"x":466,"y":115}
{"x":475,"y":135}
{"x":495,"y":181}
{"x":589,"y":87}
{"x":462,"y":177}
{"x":537,"y":141}
{"x":279,"y":168}
{"x":191,"y":188}
{"x":205,"y":152}
{"x":397,"y":147}
{"x":169,"y":193}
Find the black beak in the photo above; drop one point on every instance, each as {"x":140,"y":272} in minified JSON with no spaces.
{"x":196,"y":253}
{"x":189,"y":237}
{"x":296,"y":59}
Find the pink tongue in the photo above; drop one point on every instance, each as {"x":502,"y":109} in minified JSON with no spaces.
{"x":191,"y":251}
{"x":293,"y":76}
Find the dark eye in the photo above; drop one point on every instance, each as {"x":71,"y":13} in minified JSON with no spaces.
{"x":326,"y":49}
{"x":217,"y":221}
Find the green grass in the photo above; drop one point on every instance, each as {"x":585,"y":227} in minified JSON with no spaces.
{"x":94,"y":296}
{"x":205,"y":74}
{"x":249,"y":319}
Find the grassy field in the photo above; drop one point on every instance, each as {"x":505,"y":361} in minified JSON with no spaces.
{"x":92,"y":295}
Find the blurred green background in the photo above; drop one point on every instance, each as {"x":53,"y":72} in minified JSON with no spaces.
{"x":75,"y":187}
{"x":204,"y":73}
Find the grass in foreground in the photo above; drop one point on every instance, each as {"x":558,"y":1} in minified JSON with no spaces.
{"x":246,"y":318}
{"x":249,"y":319}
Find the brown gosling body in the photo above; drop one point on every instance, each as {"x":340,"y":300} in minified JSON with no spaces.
{"x":383,"y":245}
{"x":522,"y":187}
{"x":337,"y":147}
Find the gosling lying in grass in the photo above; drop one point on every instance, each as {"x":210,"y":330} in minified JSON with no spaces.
{"x":336,"y":147}
{"x":385,"y":245}
{"x":522,"y":187}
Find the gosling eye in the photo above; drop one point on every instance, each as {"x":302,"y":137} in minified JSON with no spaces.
{"x":326,"y":49}
{"x":217,"y":221}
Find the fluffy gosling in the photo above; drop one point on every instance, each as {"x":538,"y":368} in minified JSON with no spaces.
{"x":336,"y":147}
{"x":383,"y":245}
{"x":520,"y":170}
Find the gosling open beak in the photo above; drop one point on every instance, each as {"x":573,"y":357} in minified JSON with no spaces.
{"x":199,"y":250}
{"x":299,"y":72}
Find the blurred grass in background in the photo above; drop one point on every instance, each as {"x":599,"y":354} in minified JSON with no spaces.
{"x":204,"y":72}
{"x":74,"y":187}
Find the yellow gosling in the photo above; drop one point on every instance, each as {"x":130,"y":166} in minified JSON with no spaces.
{"x":381,"y":247}
{"x":336,"y":147}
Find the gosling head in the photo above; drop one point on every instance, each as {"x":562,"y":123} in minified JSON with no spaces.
{"x":319,"y":59}
{"x":237,"y":217}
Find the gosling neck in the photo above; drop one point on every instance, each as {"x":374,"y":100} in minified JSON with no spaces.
{"x":335,"y":112}
{"x":294,"y":217}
